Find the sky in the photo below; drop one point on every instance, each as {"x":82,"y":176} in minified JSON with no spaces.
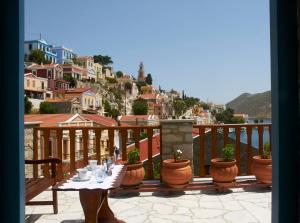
{"x":212,"y":49}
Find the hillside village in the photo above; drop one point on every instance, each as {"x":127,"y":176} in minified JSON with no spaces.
{"x":62,"y":82}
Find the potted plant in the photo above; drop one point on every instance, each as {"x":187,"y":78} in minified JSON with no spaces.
{"x":224,"y":170}
{"x":176,"y":172}
{"x":135,"y":172}
{"x":262,"y":165}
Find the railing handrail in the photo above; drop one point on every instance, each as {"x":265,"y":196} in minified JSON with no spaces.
{"x":232,"y":125}
{"x":98,"y":127}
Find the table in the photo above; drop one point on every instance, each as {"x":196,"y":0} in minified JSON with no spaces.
{"x":93,"y":196}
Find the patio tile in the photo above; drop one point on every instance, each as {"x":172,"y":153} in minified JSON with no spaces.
{"x":240,"y":217}
{"x":192,"y":206}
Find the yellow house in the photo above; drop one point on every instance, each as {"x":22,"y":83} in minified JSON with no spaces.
{"x":87,"y":62}
{"x":98,"y":69}
{"x":36,"y":87}
{"x":85,"y":96}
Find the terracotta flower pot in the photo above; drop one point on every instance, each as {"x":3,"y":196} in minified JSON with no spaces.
{"x":262,"y":169}
{"x":134,"y":174}
{"x":176,"y":174}
{"x":223,"y":173}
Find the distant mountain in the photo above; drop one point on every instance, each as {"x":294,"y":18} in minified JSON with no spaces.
{"x":255,"y":105}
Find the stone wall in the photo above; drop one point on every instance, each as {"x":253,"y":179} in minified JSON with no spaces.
{"x":28,"y":147}
{"x":177,"y":134}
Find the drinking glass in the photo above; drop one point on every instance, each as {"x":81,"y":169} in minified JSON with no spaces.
{"x":99,"y":175}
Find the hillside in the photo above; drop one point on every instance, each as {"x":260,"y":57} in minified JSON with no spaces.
{"x":255,"y":105}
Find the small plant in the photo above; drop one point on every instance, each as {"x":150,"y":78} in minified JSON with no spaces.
{"x":177,"y":154}
{"x":133,"y":156}
{"x":266,"y":152}
{"x":228,"y":152}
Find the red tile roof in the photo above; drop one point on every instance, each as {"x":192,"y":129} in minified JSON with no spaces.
{"x":42,"y":66}
{"x":76,"y":90}
{"x":144,"y":147}
{"x":56,"y":100}
{"x":132,"y":118}
{"x":48,"y":120}
{"x":100,"y":119}
{"x":147,"y":96}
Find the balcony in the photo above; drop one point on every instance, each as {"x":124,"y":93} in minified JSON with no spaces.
{"x":248,"y":201}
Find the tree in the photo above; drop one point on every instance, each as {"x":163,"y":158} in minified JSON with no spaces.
{"x":204,"y":105}
{"x":148,"y":79}
{"x":114,"y":113}
{"x":237,"y":120}
{"x":103,"y":60}
{"x":228,"y":118}
{"x":190,"y":101}
{"x":139,"y":84}
{"x":111,"y":80}
{"x":140,"y":107}
{"x":70,"y":79}
{"x":179,"y":106}
{"x":119,"y":74}
{"x":37,"y":56}
{"x":27,"y":105}
{"x":128,"y":86}
{"x":107,"y":107}
{"x":47,"y":108}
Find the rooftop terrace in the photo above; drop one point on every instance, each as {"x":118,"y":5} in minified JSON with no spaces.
{"x":240,"y":205}
{"x":199,"y":202}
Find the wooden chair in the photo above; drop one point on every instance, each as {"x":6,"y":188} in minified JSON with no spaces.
{"x":36,"y":185}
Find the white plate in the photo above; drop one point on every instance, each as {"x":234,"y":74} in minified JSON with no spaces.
{"x":77,"y":179}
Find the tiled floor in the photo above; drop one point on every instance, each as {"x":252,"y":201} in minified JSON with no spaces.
{"x":249,"y":205}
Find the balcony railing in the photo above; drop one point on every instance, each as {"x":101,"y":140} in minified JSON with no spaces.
{"x":65,"y":145}
{"x":224,"y":129}
{"x":78,"y":152}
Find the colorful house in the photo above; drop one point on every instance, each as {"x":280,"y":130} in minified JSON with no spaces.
{"x":87,"y":62}
{"x":36,"y":87}
{"x":64,"y":55}
{"x":42,"y":45}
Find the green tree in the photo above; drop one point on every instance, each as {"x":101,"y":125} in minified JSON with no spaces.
{"x":37,"y":56}
{"x":128,"y":86}
{"x":47,"y":108}
{"x":75,"y":61}
{"x":228,"y":118}
{"x":119,"y":74}
{"x":179,"y":106}
{"x":139,"y":84}
{"x":191,"y":101}
{"x":140,"y":107}
{"x":27,"y":105}
{"x":148,"y":79}
{"x":111,"y":80}
{"x":103,"y":60}
{"x":204,"y":105}
{"x":107,"y":107}
{"x":70,"y":79}
{"x":237,"y":120}
{"x":114,"y":113}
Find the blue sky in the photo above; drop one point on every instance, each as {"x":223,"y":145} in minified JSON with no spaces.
{"x":211,"y":49}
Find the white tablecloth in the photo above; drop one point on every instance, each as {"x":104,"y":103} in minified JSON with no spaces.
{"x":92,"y":184}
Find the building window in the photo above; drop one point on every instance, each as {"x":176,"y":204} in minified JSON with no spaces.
{"x":49,"y":74}
{"x":28,"y":83}
{"x":42,"y":84}
{"x":30,"y":46}
{"x":33,"y":83}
